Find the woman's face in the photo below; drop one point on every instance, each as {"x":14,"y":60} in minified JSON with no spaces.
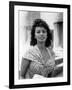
{"x":40,"y":34}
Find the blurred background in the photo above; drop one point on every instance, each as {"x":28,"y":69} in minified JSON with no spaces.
{"x":55,"y":22}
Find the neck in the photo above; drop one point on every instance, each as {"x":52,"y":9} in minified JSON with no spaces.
{"x":41,"y":45}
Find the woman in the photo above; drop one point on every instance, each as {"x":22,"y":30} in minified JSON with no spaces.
{"x":40,"y":58}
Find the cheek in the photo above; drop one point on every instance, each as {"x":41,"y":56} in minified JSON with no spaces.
{"x":46,"y":35}
{"x":36,"y":35}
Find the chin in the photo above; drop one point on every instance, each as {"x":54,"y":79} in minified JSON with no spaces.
{"x":41,"y":40}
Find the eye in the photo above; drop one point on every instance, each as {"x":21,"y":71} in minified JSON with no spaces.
{"x":38,"y":31}
{"x":44,"y":31}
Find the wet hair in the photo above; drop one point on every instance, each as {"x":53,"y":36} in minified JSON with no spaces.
{"x":40,"y":23}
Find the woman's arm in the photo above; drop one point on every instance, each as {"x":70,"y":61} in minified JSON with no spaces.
{"x":24,"y":67}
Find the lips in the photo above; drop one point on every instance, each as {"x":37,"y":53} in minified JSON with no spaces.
{"x":42,"y":37}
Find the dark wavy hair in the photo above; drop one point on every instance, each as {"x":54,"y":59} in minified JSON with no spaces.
{"x":40,"y":23}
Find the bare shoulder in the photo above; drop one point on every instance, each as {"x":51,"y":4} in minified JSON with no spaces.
{"x":51,"y":51}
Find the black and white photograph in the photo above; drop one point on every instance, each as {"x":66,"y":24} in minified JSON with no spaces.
{"x":39,"y":44}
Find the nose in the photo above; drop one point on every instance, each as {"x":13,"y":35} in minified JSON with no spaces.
{"x":41,"y":33}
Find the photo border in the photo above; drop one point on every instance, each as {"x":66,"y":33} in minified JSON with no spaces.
{"x":11,"y":43}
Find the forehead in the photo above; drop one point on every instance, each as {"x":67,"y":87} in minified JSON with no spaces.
{"x":40,"y":28}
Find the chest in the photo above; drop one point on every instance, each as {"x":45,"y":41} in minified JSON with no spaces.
{"x":45,"y":56}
